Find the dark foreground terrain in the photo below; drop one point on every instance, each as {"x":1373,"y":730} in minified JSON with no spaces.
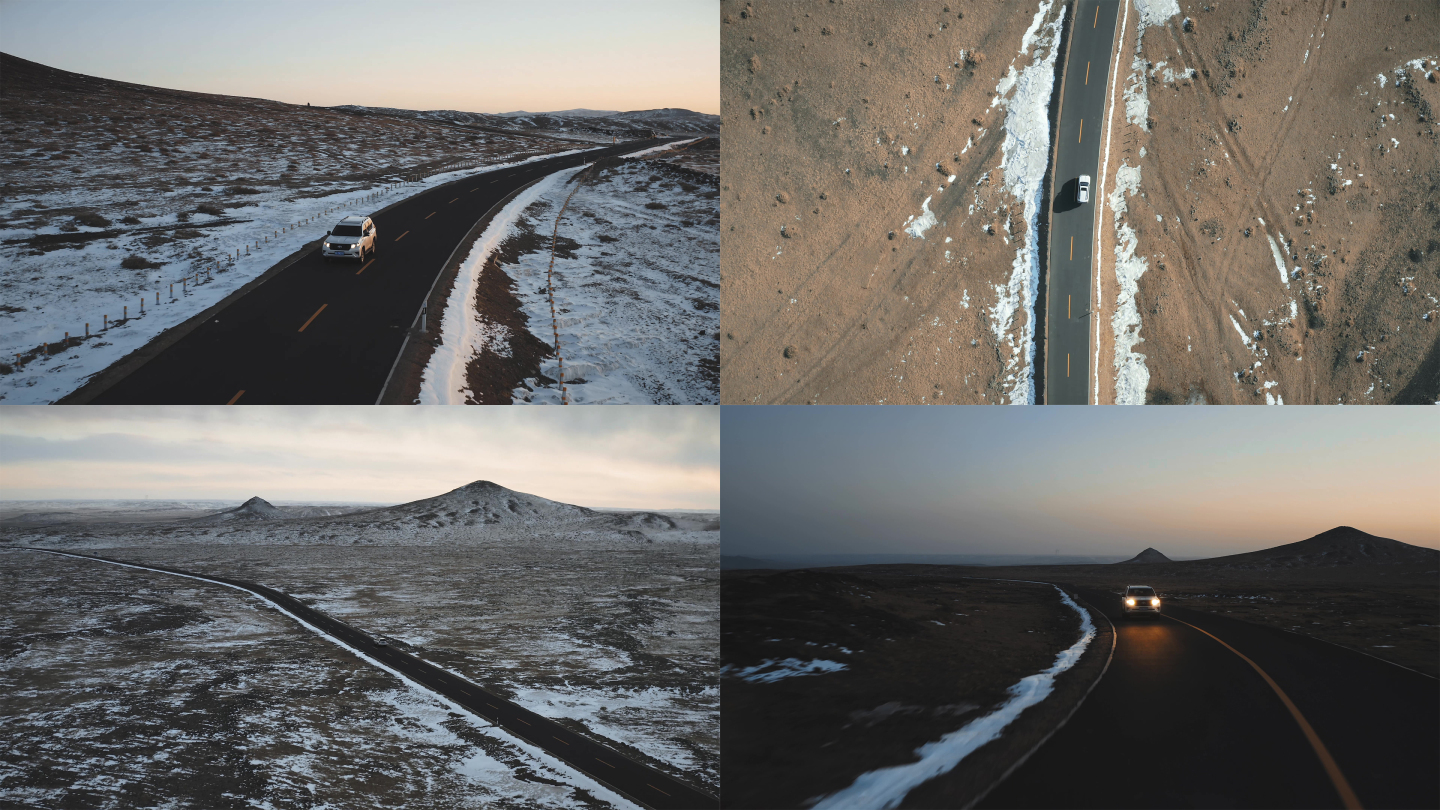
{"x":829,"y":674}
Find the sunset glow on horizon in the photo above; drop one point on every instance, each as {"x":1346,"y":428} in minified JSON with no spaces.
{"x":480,"y":56}
{"x":1191,"y":482}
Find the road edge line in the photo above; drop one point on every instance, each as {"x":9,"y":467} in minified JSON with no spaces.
{"x":1100,"y":200}
{"x":1337,"y":779}
{"x":1114,"y":637}
{"x":357,"y":653}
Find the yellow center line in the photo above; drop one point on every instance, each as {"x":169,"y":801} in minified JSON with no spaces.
{"x":1072,"y":248}
{"x":1082,"y":131}
{"x":552,"y":735}
{"x":316,"y":315}
{"x":237,"y":396}
{"x":433,"y":213}
{"x":521,"y":719}
{"x":603,"y":762}
{"x":1097,"y":16}
{"x":401,"y":236}
{"x":1087,"y":68}
{"x":1067,"y":364}
{"x":372,"y":261}
{"x":496,"y":180}
{"x":452,"y":201}
{"x":473,"y":190}
{"x":652,"y":787}
{"x":1342,"y":786}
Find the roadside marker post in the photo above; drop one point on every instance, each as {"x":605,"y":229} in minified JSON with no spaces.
{"x":106,"y":322}
{"x":87,"y":332}
{"x":126,"y":316}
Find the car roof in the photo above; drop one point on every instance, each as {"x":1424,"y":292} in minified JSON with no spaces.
{"x":355,"y":218}
{"x":1128,"y":587}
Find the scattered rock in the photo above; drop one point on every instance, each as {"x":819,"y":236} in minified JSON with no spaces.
{"x":791,"y":351}
{"x":783,"y":197}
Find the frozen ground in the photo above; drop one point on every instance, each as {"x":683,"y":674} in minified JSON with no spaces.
{"x":115,"y":192}
{"x":636,"y":290}
{"x":609,"y":619}
{"x":168,"y":692}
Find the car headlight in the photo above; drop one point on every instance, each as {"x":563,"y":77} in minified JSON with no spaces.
{"x":1155,"y":603}
{"x":1130,"y":603}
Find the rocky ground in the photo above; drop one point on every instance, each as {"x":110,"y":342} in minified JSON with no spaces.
{"x":1279,"y":185}
{"x":882,"y":171}
{"x":828,"y":674}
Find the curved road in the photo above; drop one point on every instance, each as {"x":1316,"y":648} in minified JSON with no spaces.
{"x":320,"y":333}
{"x":637,"y":782}
{"x":1072,"y":225}
{"x":1180,"y":720}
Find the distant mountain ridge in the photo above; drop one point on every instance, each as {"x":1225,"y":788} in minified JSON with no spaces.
{"x":632,"y":124}
{"x":1342,"y":545}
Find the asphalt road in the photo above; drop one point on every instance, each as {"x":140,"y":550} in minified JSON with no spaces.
{"x":320,"y":333}
{"x":638,"y":782}
{"x":1072,"y":224}
{"x":1179,"y":720}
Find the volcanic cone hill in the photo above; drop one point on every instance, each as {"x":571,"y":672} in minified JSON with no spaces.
{"x":1340,"y":546}
{"x":481,"y":502}
{"x":254,"y":509}
{"x":1149,"y":555}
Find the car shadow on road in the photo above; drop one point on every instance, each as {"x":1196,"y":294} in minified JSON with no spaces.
{"x":1066,"y":200}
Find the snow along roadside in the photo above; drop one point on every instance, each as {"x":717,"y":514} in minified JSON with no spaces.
{"x":573,"y":778}
{"x":464,"y":333}
{"x":887,"y":787}
{"x":1026,"y":153}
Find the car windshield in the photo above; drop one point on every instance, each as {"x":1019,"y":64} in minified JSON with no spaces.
{"x":346,"y":230}
{"x":1142,"y":591}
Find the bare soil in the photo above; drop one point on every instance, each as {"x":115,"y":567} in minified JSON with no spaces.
{"x":923,"y":652}
{"x":1306,"y":122}
{"x":837,"y":116}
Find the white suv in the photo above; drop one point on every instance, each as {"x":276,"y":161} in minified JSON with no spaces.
{"x":1141,"y":599}
{"x":353,"y":238}
{"x":1083,"y":191}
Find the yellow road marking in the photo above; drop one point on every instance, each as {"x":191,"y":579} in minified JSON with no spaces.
{"x":652,"y":787}
{"x":552,"y":735}
{"x":521,"y":719}
{"x":427,"y":216}
{"x":1342,"y":786}
{"x":372,"y":261}
{"x":401,"y":236}
{"x":1082,"y":131}
{"x":496,"y":180}
{"x":1072,"y":247}
{"x":1067,"y":364}
{"x":603,"y":762}
{"x":473,"y":190}
{"x":237,"y":396}
{"x":1097,"y":16}
{"x":316,"y":315}
{"x":452,"y":201}
{"x":1087,"y":64}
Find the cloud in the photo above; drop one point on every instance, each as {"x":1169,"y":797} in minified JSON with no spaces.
{"x":647,"y":457}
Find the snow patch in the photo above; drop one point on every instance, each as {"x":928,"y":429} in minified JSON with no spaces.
{"x":1131,"y":375}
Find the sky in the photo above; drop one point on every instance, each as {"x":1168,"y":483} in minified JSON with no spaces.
{"x":637,"y":456}
{"x":470,"y":55}
{"x":1191,"y":482}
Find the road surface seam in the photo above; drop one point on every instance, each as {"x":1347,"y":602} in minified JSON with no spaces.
{"x":1021,"y":761}
{"x":415,"y":680}
{"x":1342,"y":785}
